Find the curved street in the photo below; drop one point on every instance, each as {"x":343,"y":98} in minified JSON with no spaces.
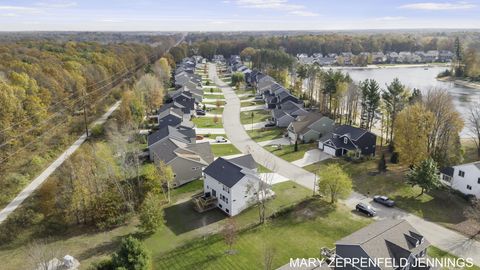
{"x":439,"y":236}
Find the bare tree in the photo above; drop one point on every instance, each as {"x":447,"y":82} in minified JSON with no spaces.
{"x":42,"y":255}
{"x":268,"y":256}
{"x":261,"y":189}
{"x":229,"y":233}
{"x":474,"y":125}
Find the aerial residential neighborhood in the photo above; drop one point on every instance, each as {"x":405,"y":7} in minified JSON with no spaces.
{"x":240,"y":134}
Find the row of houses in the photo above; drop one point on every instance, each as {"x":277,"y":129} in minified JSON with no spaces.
{"x":173,"y":140}
{"x":403,"y":57}
{"x":305,"y":126}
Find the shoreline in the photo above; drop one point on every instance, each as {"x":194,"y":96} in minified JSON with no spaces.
{"x":380,"y":66}
{"x":461,"y":82}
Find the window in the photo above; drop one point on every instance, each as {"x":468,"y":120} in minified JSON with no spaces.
{"x":345,"y":140}
{"x":227,"y":210}
{"x":226,"y":199}
{"x":478,"y":181}
{"x":461,"y":173}
{"x":219,"y":205}
{"x":469,"y":187}
{"x":225,"y":188}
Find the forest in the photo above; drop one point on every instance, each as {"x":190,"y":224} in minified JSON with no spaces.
{"x":44,"y":87}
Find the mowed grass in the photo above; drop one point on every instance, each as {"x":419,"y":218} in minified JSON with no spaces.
{"x":218,"y":111}
{"x":298,"y":233}
{"x":288,"y":152}
{"x":441,"y":205}
{"x":221,"y":150}
{"x":435,"y":252}
{"x":208,"y":122}
{"x":207,"y":91}
{"x":251,"y":103}
{"x":266,"y":134}
{"x":258,"y":116}
{"x":220,"y":102}
{"x":214,"y":96}
{"x":183,"y":224}
{"x":245,"y":91}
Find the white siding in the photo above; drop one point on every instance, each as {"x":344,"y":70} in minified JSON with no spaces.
{"x":469,"y":180}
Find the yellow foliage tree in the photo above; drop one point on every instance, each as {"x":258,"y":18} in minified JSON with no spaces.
{"x":412,"y":129}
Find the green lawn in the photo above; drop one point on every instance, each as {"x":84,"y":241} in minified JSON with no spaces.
{"x":287,"y":151}
{"x":251,"y":103}
{"x":260,"y":135}
{"x":214,"y":96}
{"x":227,"y":149}
{"x":212,"y":90}
{"x":243,"y":98}
{"x":440,"y":206}
{"x":246,"y":91}
{"x":258,"y":116}
{"x":218,"y":111}
{"x":187,"y":190}
{"x":207,"y":122}
{"x":215,"y":102}
{"x":300,"y":232}
{"x":435,"y":252}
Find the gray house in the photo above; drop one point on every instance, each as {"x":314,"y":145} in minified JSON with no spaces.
{"x":394,"y":240}
{"x":287,"y":113}
{"x":310,"y":127}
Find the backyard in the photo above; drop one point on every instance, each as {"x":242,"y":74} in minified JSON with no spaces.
{"x":266,"y":134}
{"x":224,"y":149}
{"x":258,"y":116}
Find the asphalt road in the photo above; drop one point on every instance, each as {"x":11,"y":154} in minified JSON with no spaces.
{"x":439,"y":236}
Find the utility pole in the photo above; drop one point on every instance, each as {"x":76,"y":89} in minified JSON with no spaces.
{"x":84,"y":92}
{"x":253,"y":114}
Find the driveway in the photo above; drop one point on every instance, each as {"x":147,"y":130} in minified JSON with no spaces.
{"x":281,"y":141}
{"x":258,"y":125}
{"x":439,"y":236}
{"x":310,"y":157}
{"x":210,"y":130}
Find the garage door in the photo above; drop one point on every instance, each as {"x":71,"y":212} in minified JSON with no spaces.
{"x":329,"y":150}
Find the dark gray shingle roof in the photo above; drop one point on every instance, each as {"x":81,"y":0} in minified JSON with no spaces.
{"x":246,"y":161}
{"x":225,"y":172}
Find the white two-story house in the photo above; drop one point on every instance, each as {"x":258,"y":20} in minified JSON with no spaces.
{"x":464,"y":178}
{"x":232,"y":183}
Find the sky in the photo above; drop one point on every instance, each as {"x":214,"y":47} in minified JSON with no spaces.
{"x":234,"y":15}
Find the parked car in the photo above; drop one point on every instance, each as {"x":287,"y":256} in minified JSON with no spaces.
{"x":200,"y":112}
{"x":220,"y":139}
{"x":383,"y":200}
{"x":366,"y":209}
{"x":258,"y":98}
{"x":270,"y":124}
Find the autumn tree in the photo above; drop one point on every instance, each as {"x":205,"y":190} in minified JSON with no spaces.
{"x":229,"y":233}
{"x":334,"y":182}
{"x":444,"y":139}
{"x":238,"y":78}
{"x":425,"y":175}
{"x":412,"y":130}
{"x":474,"y":125}
{"x":166,"y":177}
{"x":151,"y":213}
{"x":247,"y":53}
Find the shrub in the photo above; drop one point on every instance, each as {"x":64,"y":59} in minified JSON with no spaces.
{"x":97,"y":131}
{"x":394,"y":158}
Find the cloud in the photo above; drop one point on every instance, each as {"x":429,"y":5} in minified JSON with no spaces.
{"x":439,"y":6}
{"x":389,"y":18}
{"x":281,"y":5}
{"x":18,"y":8}
{"x":57,"y":4}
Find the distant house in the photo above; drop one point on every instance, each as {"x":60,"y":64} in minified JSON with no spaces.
{"x":309,"y":127}
{"x":346,"y":138}
{"x":177,"y":148}
{"x":286,"y":113}
{"x":231,"y":183}
{"x":173,"y":117}
{"x":185,"y":101}
{"x":385,"y":243}
{"x":464,"y":178}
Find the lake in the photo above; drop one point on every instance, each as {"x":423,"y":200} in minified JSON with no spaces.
{"x":423,"y":79}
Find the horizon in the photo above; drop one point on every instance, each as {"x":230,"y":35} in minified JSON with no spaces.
{"x":235,"y":15}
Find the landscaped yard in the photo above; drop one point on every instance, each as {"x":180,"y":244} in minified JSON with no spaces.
{"x":251,"y":103}
{"x":208,"y":122}
{"x":266,"y":134}
{"x":300,"y":232}
{"x":288,"y":152}
{"x":221,"y":102}
{"x":225,"y":149}
{"x":218,"y":111}
{"x":212,"y":90}
{"x":441,"y":205}
{"x":214,"y":96}
{"x":245,"y":91}
{"x":258,"y":116}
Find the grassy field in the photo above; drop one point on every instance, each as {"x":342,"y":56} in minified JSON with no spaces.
{"x":215,"y":102}
{"x":207,"y":122}
{"x":258,"y":116}
{"x":245,"y":91}
{"x":300,"y":232}
{"x":435,"y":252}
{"x":441,"y":205}
{"x":251,"y":103}
{"x":218,"y":111}
{"x":287,"y":152}
{"x":260,"y":135}
{"x":212,"y":90}
{"x":227,"y":149}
